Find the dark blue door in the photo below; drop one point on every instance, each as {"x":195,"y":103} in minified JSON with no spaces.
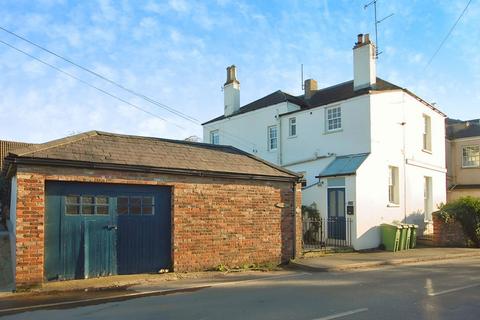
{"x":336,"y":222}
{"x":86,"y":235}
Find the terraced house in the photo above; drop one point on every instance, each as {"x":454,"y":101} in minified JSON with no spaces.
{"x":369,"y":151}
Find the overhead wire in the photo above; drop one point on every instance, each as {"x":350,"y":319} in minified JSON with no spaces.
{"x":115,"y":83}
{"x":448,"y":34}
{"x":242,"y":140}
{"x":88,"y":84}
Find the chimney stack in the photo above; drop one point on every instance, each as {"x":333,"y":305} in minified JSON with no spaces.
{"x":310,"y":87}
{"x":231,"y":92}
{"x":364,"y":64}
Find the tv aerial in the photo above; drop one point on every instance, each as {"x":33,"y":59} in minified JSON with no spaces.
{"x":374,"y":3}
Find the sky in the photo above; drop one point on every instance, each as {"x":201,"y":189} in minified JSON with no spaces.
{"x":176,"y":52}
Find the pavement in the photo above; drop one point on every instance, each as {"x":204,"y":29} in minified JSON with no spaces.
{"x":447,"y":289}
{"x":363,"y":260}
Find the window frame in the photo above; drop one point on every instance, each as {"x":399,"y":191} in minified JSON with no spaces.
{"x":338,"y":117}
{"x":393,"y":185}
{"x":270,"y":139}
{"x":427,"y":133}
{"x":80,"y":204}
{"x":215,"y":135}
{"x":141,"y":205}
{"x":477,"y":165}
{"x":292,"y":127}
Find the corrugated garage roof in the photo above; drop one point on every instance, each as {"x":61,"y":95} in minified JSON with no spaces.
{"x":344,"y":165}
{"x":95,"y":147}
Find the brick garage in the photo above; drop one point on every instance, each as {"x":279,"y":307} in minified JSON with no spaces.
{"x":227,"y":207}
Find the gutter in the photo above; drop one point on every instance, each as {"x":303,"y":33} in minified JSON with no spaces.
{"x":146,"y":169}
{"x":315,"y":157}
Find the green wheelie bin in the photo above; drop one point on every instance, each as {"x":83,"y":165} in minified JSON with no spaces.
{"x":409,"y":235}
{"x":403,"y":237}
{"x":413,"y":236}
{"x":390,"y":236}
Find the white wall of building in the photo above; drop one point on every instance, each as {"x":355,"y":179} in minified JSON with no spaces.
{"x":388,"y":125}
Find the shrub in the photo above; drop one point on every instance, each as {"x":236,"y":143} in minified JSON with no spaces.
{"x":466,"y":211}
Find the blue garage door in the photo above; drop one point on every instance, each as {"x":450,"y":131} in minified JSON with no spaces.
{"x":96,"y":230}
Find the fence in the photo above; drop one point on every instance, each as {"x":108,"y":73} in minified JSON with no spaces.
{"x":323,"y":233}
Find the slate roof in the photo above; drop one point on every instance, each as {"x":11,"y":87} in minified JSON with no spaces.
{"x":344,"y":165}
{"x":339,"y":92}
{"x":95,"y":147}
{"x":8,"y":146}
{"x":457,"y":129}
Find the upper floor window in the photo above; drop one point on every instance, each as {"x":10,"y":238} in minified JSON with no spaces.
{"x":427,"y":133}
{"x":334,"y":118}
{"x":214,"y":137}
{"x":292,"y":127}
{"x":393,"y":188}
{"x":471,"y":156}
{"x":272,"y":138}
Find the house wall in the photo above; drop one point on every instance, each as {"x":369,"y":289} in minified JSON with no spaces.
{"x":459,"y":174}
{"x":248,"y":131}
{"x":312,"y":148}
{"x":389,"y":139}
{"x":214,"y":221}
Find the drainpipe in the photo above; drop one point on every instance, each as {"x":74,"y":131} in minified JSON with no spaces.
{"x":279,"y":125}
{"x":294,"y":247}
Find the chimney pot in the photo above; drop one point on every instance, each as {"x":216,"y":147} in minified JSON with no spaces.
{"x":359,"y":38}
{"x":367,"y":38}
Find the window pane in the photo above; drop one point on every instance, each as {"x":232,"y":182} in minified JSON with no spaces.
{"x":135,"y":205}
{"x":147,"y":201}
{"x":87,"y":200}
{"x":122,"y":205}
{"x":102,"y":209}
{"x":101,"y":200}
{"x":88,"y":209}
{"x":72,"y":209}
{"x":72,"y":199}
{"x":147,"y":210}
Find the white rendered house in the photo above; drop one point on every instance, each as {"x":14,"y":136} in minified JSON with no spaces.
{"x":365,"y":145}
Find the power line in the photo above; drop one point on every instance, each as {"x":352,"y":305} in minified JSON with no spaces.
{"x":144,"y":97}
{"x":87,"y":83}
{"x":140,"y":95}
{"x":448,"y":34}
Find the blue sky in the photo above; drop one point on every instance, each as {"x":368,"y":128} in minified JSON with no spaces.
{"x":176,"y":52}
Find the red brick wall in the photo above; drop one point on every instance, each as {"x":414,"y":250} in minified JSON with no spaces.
{"x":214,"y":221}
{"x":447,"y":234}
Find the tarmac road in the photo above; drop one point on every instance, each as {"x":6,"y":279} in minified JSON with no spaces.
{"x":442,"y":290}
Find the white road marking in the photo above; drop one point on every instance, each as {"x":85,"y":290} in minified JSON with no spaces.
{"x":342,"y":314}
{"x":433,"y":294}
{"x":142,"y":293}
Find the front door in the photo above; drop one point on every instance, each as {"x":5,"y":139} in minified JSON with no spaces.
{"x":336,"y":222}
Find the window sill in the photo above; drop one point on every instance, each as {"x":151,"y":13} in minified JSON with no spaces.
{"x":471,"y":167}
{"x":333,"y":131}
{"x":427,"y":151}
{"x":393,"y":205}
{"x":272,"y":150}
{"x":292,"y":137}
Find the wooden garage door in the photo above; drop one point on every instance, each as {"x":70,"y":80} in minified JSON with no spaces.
{"x":100,"y":229}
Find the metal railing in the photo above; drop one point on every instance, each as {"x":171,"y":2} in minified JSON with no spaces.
{"x":324,"y":233}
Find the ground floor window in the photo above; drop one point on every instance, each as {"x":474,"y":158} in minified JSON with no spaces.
{"x":427,"y":196}
{"x":393,"y":188}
